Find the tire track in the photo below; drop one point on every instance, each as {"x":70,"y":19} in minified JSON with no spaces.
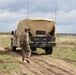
{"x":61,"y":65}
{"x":34,"y":68}
{"x":42,"y":70}
{"x":41,"y":66}
{"x":15,"y":55}
{"x":53,"y":66}
{"x":30,"y":68}
{"x":44,"y":66}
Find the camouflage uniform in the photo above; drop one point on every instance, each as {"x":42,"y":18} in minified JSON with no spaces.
{"x":24,"y":43}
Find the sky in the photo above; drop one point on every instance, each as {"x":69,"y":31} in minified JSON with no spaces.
{"x":12,"y":11}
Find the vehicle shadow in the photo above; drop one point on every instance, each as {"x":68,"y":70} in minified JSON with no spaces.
{"x":34,"y":53}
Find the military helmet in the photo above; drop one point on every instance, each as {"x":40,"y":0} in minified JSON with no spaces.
{"x":26,"y":28}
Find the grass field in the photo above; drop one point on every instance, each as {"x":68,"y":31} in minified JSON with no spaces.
{"x":65,"y":49}
{"x":7,"y":62}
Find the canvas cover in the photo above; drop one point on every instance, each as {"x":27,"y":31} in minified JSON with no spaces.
{"x":35,"y":24}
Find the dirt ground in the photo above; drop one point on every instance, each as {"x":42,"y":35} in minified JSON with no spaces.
{"x":42,"y":64}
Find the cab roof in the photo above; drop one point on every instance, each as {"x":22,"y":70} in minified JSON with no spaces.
{"x":40,"y":19}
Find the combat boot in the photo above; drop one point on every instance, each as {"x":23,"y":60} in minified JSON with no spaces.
{"x":27,"y":60}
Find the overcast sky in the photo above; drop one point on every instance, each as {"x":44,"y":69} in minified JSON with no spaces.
{"x":12,"y":11}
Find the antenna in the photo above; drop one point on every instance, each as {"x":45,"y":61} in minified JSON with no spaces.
{"x":27,"y":1}
{"x":27,"y":8}
{"x":27,"y":11}
{"x":56,"y":11}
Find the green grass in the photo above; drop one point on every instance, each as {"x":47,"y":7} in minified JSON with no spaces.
{"x":64,"y":53}
{"x":4,"y":55}
{"x":6,"y":67}
{"x":39,"y":51}
{"x":66,"y":47}
{"x":7,"y":62}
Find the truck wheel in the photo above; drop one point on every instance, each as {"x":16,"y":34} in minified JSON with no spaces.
{"x":13,"y":48}
{"x":33,"y":48}
{"x":48,"y":50}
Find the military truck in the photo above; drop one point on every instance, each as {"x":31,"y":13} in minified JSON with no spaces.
{"x":41,"y":33}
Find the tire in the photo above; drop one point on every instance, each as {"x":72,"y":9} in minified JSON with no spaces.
{"x":13,"y":48}
{"x":33,"y":48}
{"x":48,"y":50}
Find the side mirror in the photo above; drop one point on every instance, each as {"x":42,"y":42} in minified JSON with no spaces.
{"x":12,"y":33}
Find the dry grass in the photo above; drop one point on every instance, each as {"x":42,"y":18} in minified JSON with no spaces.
{"x":66,"y":48}
{"x":5,"y":40}
{"x":66,"y":40}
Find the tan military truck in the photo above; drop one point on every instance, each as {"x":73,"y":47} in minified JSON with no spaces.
{"x":41,"y":33}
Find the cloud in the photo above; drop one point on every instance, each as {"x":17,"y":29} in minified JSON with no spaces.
{"x":12,"y":11}
{"x":34,"y":5}
{"x":43,"y":6}
{"x":66,"y":17}
{"x":13,"y":5}
{"x":9,"y":20}
{"x":7,"y":27}
{"x":66,"y":5}
{"x":66,"y":29}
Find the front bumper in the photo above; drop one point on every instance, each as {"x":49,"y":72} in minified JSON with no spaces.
{"x":38,"y":45}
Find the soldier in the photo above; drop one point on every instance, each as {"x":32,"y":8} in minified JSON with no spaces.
{"x":24,"y":43}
